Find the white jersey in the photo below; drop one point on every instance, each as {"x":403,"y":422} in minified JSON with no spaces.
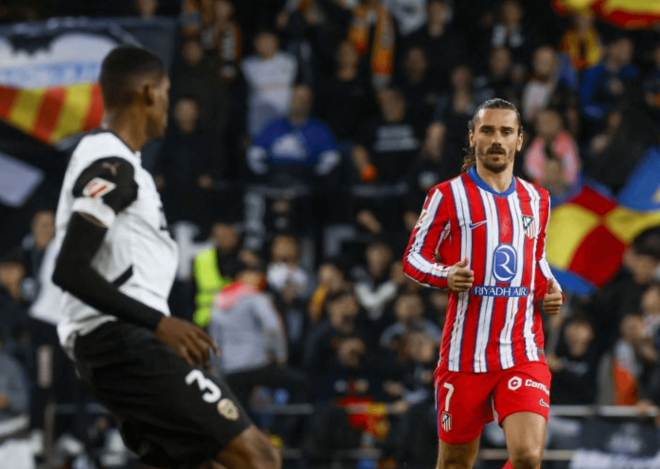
{"x":270,"y":83}
{"x":138,"y":255}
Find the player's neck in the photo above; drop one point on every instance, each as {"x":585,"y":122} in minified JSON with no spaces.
{"x":499,"y":182}
{"x":128,"y":127}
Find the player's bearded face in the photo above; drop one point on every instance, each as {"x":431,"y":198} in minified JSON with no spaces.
{"x":496,"y":139}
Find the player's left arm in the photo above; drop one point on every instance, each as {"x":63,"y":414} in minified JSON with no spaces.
{"x":547,"y":288}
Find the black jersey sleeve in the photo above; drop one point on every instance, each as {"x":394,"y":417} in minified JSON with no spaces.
{"x":105,"y":188}
{"x":74,"y":273}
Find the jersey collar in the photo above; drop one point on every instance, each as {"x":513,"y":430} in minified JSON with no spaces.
{"x":136,"y":154}
{"x":482,"y":184}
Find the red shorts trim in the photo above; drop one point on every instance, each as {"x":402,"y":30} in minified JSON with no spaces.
{"x":465,"y":402}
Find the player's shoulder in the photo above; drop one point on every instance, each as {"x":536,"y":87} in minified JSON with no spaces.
{"x":445,"y":186}
{"x":542,"y":192}
{"x":535,"y":189}
{"x":101,"y":144}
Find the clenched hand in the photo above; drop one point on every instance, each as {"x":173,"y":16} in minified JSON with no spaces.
{"x":460,"y":277}
{"x":186,"y":339}
{"x":553,"y":298}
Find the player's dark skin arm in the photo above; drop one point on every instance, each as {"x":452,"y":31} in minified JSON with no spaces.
{"x":75,"y":274}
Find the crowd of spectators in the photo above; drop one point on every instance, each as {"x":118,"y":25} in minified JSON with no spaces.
{"x":304,"y":136}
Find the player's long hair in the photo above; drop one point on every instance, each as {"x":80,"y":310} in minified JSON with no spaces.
{"x":470,"y":157}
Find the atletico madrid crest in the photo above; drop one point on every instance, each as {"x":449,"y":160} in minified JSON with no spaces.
{"x":446,"y":421}
{"x":529,"y":225}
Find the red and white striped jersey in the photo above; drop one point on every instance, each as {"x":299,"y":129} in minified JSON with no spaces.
{"x":497,"y":324}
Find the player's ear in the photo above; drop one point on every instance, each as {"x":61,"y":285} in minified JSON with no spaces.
{"x":521,"y":139}
{"x":148,"y":93}
{"x":471,"y":138}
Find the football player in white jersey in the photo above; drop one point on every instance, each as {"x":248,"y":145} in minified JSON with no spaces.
{"x":116,"y":266}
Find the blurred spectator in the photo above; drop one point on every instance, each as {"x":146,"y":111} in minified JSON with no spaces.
{"x":574,"y":364}
{"x":15,"y":450}
{"x":553,"y":139}
{"x":410,"y":15}
{"x":223,"y":40}
{"x":444,"y":48}
{"x":33,"y":247}
{"x":249,"y":333}
{"x":291,"y":285}
{"x":498,"y":82}
{"x":270,"y":75}
{"x":511,"y":34}
{"x":554,"y":178}
{"x":633,"y":353}
{"x":581,"y":42}
{"x":389,"y":144}
{"x":445,"y":137}
{"x":345,"y":100}
{"x":650,"y":392}
{"x":376,"y":284}
{"x":413,"y":438}
{"x":342,"y":312}
{"x":630,"y":131}
{"x":425,"y":173}
{"x":295,"y":149}
{"x":285,"y":275}
{"x":331,"y":281}
{"x":652,"y":85}
{"x":601,"y":141}
{"x":650,"y":307}
{"x":13,"y":305}
{"x":604,"y":85}
{"x":623,"y":294}
{"x":373,"y":35}
{"x":146,"y":9}
{"x":194,"y":15}
{"x":214,"y":269}
{"x":345,"y":416}
{"x":190,"y":163}
{"x":409,"y":312}
{"x":195,"y":77}
{"x":307,"y":30}
{"x":544,"y":90}
{"x":418,"y":90}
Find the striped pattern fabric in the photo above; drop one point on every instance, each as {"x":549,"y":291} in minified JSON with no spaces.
{"x":50,"y":114}
{"x":629,"y":14}
{"x":497,"y":324}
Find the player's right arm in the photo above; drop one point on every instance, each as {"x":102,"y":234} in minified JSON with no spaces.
{"x":102,"y":191}
{"x":431,"y":230}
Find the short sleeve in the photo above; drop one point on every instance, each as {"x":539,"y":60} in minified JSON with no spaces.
{"x":105,"y":188}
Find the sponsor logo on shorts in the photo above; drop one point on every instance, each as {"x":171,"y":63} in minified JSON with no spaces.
{"x":515,"y":383}
{"x":228,"y":409}
{"x":530,"y":383}
{"x":543,"y":403}
{"x":446,"y":421}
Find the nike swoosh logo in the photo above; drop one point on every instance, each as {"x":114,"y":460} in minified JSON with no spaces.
{"x":474,"y":225}
{"x":543,"y":403}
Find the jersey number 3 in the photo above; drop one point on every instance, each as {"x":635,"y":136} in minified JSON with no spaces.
{"x":211,"y":390}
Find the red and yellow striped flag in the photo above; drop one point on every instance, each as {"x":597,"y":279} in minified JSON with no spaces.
{"x":629,"y":14}
{"x":52,"y":113}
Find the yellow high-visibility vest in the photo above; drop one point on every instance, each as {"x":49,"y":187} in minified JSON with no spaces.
{"x":209,"y":281}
